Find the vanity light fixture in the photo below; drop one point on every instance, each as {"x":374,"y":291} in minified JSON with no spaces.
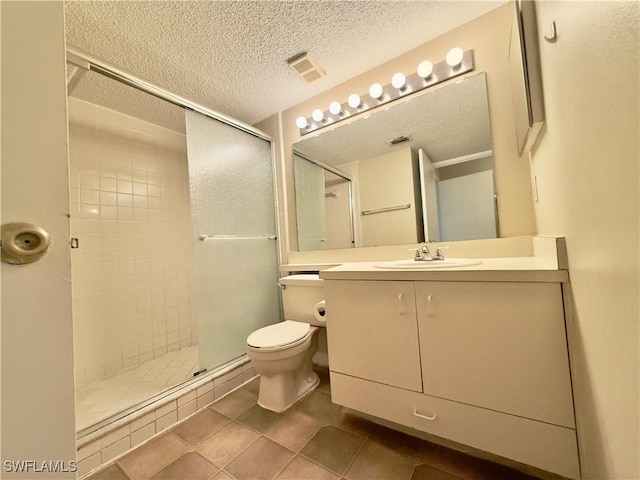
{"x":425,"y":69}
{"x":318,"y":115}
{"x":454,"y":57}
{"x":457,"y":62}
{"x":399,"y":81}
{"x":335,"y":108}
{"x":354,"y":100}
{"x":376,"y":91}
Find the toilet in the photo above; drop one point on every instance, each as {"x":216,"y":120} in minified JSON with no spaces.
{"x":282,"y":353}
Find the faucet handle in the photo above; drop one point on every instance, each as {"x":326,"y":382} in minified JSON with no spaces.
{"x":438,"y":255}
{"x":418,"y":255}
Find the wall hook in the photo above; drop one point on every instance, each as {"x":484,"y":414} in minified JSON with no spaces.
{"x":554,"y":35}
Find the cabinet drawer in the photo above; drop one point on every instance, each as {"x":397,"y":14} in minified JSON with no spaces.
{"x":372,"y":331}
{"x":548,"y":447}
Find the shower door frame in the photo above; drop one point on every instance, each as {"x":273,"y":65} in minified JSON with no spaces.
{"x":86,"y":61}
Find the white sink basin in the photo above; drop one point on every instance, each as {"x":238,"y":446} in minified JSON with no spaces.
{"x":414,"y":265}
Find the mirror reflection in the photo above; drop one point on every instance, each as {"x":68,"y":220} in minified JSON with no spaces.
{"x":324,"y":215}
{"x":421,"y":170}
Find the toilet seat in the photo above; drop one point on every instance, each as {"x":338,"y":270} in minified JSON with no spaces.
{"x":280,"y":335}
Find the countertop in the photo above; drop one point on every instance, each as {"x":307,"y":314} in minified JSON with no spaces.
{"x":504,"y":269}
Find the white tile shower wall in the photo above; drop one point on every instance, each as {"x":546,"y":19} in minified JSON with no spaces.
{"x":132,"y":275}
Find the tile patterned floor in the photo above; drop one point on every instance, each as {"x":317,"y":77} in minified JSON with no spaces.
{"x":236,"y":439}
{"x":98,"y":400}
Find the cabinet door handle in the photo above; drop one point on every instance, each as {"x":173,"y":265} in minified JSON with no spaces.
{"x":401,"y":306}
{"x":424,"y":417}
{"x":430,"y":306}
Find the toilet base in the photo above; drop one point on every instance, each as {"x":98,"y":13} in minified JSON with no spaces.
{"x":280,"y":392}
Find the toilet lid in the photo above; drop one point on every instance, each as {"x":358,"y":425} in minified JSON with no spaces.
{"x":279,"y":334}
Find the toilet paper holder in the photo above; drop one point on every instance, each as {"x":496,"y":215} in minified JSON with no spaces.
{"x":23,"y":243}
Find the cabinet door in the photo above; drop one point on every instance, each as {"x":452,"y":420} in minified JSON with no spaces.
{"x":497,"y":345}
{"x":372,"y":331}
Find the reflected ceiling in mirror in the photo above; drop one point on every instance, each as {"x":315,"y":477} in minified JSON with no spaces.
{"x":448,"y":122}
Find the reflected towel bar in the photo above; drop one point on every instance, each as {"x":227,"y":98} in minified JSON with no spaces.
{"x":204,"y":238}
{"x":386,"y":209}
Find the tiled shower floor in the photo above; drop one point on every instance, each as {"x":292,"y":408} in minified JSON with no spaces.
{"x":234,"y":438}
{"x":101,"y":399}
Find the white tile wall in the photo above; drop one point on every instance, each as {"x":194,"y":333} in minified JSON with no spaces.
{"x":132,"y":275}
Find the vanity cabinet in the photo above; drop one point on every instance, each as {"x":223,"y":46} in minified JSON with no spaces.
{"x":484,"y":364}
{"x":374,"y":332}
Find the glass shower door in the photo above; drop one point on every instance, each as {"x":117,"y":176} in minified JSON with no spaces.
{"x":233,"y":215}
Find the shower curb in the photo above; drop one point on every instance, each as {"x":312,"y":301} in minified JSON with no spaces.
{"x":114,"y":440}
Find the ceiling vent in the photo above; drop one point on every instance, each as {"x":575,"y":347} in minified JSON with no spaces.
{"x":399,"y":140}
{"x":304,"y":66}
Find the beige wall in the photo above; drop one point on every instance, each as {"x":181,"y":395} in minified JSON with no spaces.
{"x":488,"y":36}
{"x":130,"y":209}
{"x":37,"y":335}
{"x":587,"y":173}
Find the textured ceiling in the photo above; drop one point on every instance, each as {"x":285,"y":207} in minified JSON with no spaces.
{"x":230,"y":56}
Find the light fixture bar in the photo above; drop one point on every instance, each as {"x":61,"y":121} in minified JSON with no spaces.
{"x":413,"y":83}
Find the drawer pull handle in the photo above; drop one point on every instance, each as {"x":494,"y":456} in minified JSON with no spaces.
{"x":430,"y":306}
{"x":401,"y":308}
{"x":424,"y":417}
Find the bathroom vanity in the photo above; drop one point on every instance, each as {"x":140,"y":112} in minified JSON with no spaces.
{"x":476,"y":355}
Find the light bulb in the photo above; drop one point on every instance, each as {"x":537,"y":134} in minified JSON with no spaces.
{"x":376,"y":91}
{"x":425,"y":69}
{"x":301,"y":122}
{"x":318,"y":115}
{"x":335,"y":108}
{"x":454,"y":57}
{"x":399,"y":81}
{"x":354,"y":100}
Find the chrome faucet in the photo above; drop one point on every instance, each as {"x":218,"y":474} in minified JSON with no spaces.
{"x":424,"y":255}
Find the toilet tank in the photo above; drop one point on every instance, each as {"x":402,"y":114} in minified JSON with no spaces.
{"x":300,"y":295}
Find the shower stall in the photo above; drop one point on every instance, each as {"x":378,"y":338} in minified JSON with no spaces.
{"x":174,"y":256}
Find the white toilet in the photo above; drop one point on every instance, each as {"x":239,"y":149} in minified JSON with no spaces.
{"x":282,"y":353}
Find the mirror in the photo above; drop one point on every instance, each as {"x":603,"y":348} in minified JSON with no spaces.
{"x":421,"y":170}
{"x":324,"y":196}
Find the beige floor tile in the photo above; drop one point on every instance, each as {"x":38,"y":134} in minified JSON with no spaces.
{"x":190,"y":466}
{"x":261,"y":461}
{"x":302,"y":469}
{"x":352,"y":423}
{"x":149,"y":459}
{"x":221,"y":447}
{"x":453,"y":462}
{"x":333,"y":448}
{"x":114,"y":472}
{"x":294,"y":430}
{"x":200,"y":426}
{"x":375,"y":462}
{"x":318,"y":405}
{"x":221,"y":475}
{"x":323,"y":374}
{"x":253,"y":386}
{"x":426,"y":472}
{"x":259,"y":419}
{"x":236,"y":403}
{"x":398,"y":441}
